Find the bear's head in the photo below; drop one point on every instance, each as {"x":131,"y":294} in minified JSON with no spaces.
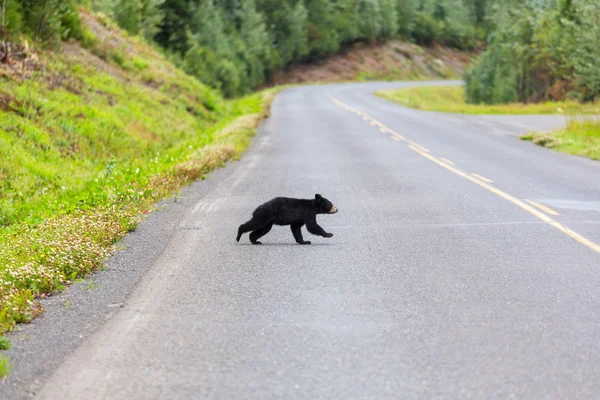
{"x":324,"y":206}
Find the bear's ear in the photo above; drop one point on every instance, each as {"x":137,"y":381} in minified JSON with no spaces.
{"x":318,"y":197}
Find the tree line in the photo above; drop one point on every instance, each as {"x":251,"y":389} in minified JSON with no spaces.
{"x":235,"y":45}
{"x":535,"y":49}
{"x":539,"y":50}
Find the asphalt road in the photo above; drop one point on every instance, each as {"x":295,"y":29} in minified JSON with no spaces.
{"x":449,"y":274}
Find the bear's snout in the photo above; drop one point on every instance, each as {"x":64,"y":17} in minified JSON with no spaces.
{"x":333,"y":210}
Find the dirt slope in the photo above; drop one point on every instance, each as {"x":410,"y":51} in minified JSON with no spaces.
{"x":395,"y":60}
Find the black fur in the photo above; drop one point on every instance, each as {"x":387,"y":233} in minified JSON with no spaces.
{"x":287,"y":211}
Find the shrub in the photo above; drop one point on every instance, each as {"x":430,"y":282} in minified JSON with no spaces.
{"x":50,"y":20}
{"x":426,"y":29}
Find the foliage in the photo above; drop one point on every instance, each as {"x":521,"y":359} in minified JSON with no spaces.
{"x":138,"y":17}
{"x":5,"y":366}
{"x":236,"y":45}
{"x":48,"y":20}
{"x":176,"y":24}
{"x":4,"y":343}
{"x":370,"y":21}
{"x":539,"y":50}
{"x":389,"y":18}
{"x":322,"y":39}
{"x":586,"y":57}
{"x":406,"y":12}
{"x":427,"y":29}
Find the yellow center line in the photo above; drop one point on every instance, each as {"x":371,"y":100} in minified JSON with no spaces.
{"x":396,"y":139}
{"x":399,"y":137}
{"x":424,"y":152}
{"x":483,"y":178}
{"x":446,"y":161}
{"x":425,"y":149}
{"x":542,"y":207}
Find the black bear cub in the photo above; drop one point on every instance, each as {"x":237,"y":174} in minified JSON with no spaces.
{"x":287,"y":211}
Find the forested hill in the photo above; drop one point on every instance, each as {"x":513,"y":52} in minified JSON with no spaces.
{"x":535,"y":49}
{"x":236,"y":45}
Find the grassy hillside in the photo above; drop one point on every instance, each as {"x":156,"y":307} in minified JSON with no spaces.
{"x":90,"y":137}
{"x":394,"y":60}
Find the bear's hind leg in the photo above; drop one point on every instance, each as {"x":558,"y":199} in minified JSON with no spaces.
{"x":258,"y":233}
{"x":297,"y":232}
{"x":249,"y":226}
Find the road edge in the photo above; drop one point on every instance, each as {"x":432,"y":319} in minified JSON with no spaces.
{"x":75,"y":313}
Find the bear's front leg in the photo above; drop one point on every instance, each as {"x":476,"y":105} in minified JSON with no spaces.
{"x":297,"y":232}
{"x":315,"y":229}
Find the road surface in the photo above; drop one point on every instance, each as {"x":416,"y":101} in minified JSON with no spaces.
{"x":464,"y":264}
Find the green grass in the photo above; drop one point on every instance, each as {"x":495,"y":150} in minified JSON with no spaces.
{"x":452,"y":99}
{"x":412,"y":73}
{"x":5,"y":367}
{"x":580,"y":138}
{"x":85,"y":154}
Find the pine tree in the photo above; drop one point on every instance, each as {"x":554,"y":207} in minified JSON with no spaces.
{"x":151,"y":17}
{"x":127,"y":14}
{"x":256,"y":42}
{"x":389,"y":18}
{"x":370,"y":19}
{"x":347,"y":20}
{"x":176,"y":24}
{"x":322,"y":36}
{"x":406,"y":10}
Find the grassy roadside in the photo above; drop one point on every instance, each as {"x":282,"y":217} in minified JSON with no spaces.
{"x":38,"y":259}
{"x":91,"y":137}
{"x":580,"y":138}
{"x":451,"y":99}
